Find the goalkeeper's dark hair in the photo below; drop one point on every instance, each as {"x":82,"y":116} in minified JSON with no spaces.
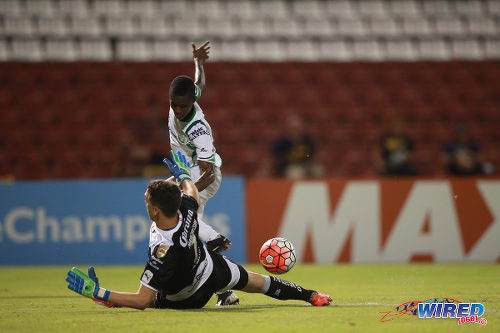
{"x":181,"y":86}
{"x":165,"y":195}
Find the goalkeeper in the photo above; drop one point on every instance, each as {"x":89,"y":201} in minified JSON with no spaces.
{"x":181,"y":273}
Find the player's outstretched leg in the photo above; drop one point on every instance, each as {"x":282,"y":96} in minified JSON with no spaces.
{"x":283,"y":290}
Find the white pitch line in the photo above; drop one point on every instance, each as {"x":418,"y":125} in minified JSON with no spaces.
{"x":363,"y":304}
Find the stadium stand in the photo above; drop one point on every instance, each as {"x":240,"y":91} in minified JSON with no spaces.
{"x":79,"y":76}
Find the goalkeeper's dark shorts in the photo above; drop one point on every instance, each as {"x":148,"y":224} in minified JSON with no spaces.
{"x":226,"y":275}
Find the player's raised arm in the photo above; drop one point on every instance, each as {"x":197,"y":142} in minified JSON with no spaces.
{"x":181,"y":170}
{"x":200,"y":55}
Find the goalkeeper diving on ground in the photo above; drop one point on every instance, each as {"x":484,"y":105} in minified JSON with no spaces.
{"x":181,"y":272}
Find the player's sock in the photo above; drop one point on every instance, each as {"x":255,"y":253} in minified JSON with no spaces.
{"x":206,"y":232}
{"x":283,"y":289}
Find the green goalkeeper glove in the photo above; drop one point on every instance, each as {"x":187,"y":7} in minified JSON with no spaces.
{"x":179,"y":167}
{"x":87,"y":285}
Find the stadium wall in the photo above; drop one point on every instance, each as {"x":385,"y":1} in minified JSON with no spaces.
{"x":97,"y":222}
{"x":403,"y":220}
{"x":328,"y":221}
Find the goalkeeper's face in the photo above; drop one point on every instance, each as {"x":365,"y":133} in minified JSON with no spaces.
{"x":181,"y":105}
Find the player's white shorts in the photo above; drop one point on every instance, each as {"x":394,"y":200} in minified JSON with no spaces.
{"x":210,"y":190}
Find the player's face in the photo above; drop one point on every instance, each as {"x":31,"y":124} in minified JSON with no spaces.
{"x":181,"y":105}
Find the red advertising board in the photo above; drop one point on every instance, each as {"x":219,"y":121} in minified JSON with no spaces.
{"x":387,"y":220}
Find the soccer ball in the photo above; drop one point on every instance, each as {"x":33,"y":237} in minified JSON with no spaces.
{"x":277,"y":255}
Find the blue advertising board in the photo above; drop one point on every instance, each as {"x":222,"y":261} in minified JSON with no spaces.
{"x":97,"y":222}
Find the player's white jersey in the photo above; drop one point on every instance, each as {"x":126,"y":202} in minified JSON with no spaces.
{"x":193,"y":137}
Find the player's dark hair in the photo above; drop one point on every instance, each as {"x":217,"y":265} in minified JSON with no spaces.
{"x":181,"y":86}
{"x":165,"y":195}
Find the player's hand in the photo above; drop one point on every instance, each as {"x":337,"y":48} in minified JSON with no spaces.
{"x":201,"y":54}
{"x":87,"y":285}
{"x":179,"y":167}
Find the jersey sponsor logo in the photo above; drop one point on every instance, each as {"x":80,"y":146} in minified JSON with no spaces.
{"x":161,"y":251}
{"x":147,"y":276}
{"x":184,"y":236}
{"x":198,"y":132}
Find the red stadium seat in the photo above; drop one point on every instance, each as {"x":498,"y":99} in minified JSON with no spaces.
{"x":85,"y":111}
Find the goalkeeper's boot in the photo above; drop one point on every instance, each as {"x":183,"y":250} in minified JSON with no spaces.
{"x":219,"y":244}
{"x":227,"y":298}
{"x":318,"y":299}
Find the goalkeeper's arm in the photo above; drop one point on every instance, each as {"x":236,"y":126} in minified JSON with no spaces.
{"x":142,"y":299}
{"x":88,"y":286}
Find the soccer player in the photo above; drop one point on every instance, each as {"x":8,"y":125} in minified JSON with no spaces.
{"x":191,"y":134}
{"x":181,"y":273}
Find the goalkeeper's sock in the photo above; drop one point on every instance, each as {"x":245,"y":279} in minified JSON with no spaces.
{"x":283,"y":289}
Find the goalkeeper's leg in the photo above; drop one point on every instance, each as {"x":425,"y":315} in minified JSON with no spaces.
{"x":283,"y":290}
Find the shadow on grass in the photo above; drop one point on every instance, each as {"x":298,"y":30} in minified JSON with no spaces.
{"x":243,"y":308}
{"x":227,"y":309}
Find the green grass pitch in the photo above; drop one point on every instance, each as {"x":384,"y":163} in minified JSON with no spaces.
{"x":35,"y":299}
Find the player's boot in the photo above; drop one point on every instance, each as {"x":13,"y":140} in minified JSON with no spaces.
{"x":320,"y":299}
{"x":219,"y":244}
{"x":227,"y":298}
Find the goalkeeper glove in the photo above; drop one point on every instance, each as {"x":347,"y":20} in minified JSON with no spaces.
{"x":87,"y":285}
{"x":179,"y":167}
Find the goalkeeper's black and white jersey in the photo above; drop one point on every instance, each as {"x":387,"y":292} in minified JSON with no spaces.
{"x":179,"y":264}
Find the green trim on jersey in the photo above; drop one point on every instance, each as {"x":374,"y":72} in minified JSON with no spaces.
{"x":192,"y":115}
{"x":207,"y":159}
{"x":194,"y":123}
{"x":197,"y":93}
